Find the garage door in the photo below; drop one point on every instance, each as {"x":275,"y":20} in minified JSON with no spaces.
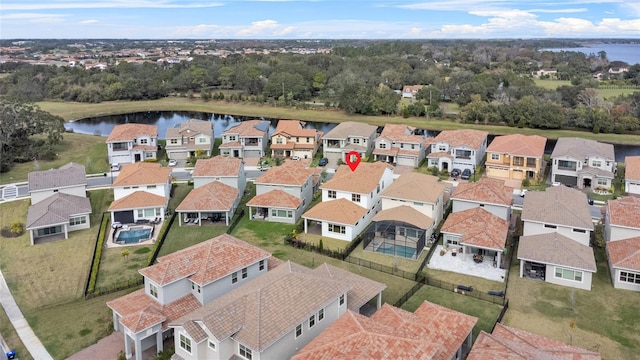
{"x":177,"y":155}
{"x":633,"y":188}
{"x":499,"y":173}
{"x":252,"y":153}
{"x":404,"y":160}
{"x":333,"y":156}
{"x":567,"y":180}
{"x":123,"y":217}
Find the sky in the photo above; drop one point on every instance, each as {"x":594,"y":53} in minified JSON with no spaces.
{"x":319,"y":19}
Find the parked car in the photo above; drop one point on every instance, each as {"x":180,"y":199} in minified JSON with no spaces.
{"x":466,"y":174}
{"x":173,"y":162}
{"x":455,"y":173}
{"x":323,"y":162}
{"x":523,"y":192}
{"x":264,"y":167}
{"x":115,"y":167}
{"x":296,"y":158}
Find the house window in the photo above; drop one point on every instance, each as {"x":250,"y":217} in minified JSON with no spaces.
{"x":212,"y":345}
{"x":582,"y":231}
{"x":185,"y":343}
{"x":341,"y":302}
{"x":312,"y":321}
{"x":153,"y":290}
{"x":234,"y":277}
{"x":173,"y":141}
{"x":355,"y":197}
{"x":245,"y":352}
{"x":279,"y":140}
{"x":308,"y":140}
{"x":331,"y":194}
{"x":518,"y":161}
{"x":603,"y":182}
{"x":550,"y":226}
{"x":401,"y":145}
{"x":566,"y":165}
{"x":568,"y":274}
{"x":199,"y":289}
{"x":298,"y":331}
{"x":149,"y":212}
{"x":144,"y":141}
{"x":78,"y":220}
{"x":337,"y":229}
{"x":202,"y":140}
{"x":596,"y":163}
{"x":261,"y":265}
{"x":320,"y":314}
{"x":442,"y":148}
{"x":151,"y":186}
{"x":531,"y":162}
{"x":413,"y":146}
{"x":49,"y":231}
{"x":463,"y":154}
{"x":495,"y":157}
{"x":297,"y":139}
{"x":629,"y":277}
{"x":355,"y":141}
{"x":418,"y":203}
{"x":158,"y":211}
{"x":383,"y":146}
{"x":244,"y":273}
{"x":232,"y":138}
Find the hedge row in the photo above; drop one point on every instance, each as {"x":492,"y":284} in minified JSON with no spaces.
{"x":97,"y":255}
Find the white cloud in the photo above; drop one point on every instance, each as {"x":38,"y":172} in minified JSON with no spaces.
{"x":92,"y":21}
{"x":259,"y":28}
{"x":551,"y":11}
{"x":128,"y":4}
{"x":35,"y":17}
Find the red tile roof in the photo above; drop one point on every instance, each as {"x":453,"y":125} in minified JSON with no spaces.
{"x":406,"y":214}
{"x":487,"y":191}
{"x":213,"y":196}
{"x":625,"y":212}
{"x":415,"y":186}
{"x":250,"y":128}
{"x":519,"y":145}
{"x":363,"y":180}
{"x":400,"y":133}
{"x":290,"y":173}
{"x":205,"y":262}
{"x":218,"y":166}
{"x":138,"y":199}
{"x":455,"y":138}
{"x":625,"y":253}
{"x":632,"y":168}
{"x":478,"y":228}
{"x":127,"y":132}
{"x":293,"y":128}
{"x":509,"y":343}
{"x":392,"y":333}
{"x":340,"y":211}
{"x":143,"y":173}
{"x":275,"y":198}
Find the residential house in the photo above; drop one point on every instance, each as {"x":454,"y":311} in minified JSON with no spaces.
{"x":583,"y":163}
{"x":226,"y":169}
{"x":558,"y":209}
{"x":506,"y":342}
{"x":632,"y":175}
{"x":246,"y":139}
{"x":456,"y":149}
{"x":180,"y":283}
{"x":622,"y":233}
{"x":59,"y":202}
{"x":141,"y":192}
{"x":282,"y":193}
{"x":489,"y":194}
{"x":557,"y":259}
{"x":618,"y":70}
{"x":272,"y":316}
{"x":189,"y":138}
{"x":346,"y":137}
{"x":550,"y":73}
{"x":516,"y":157}
{"x":393,"y":333}
{"x":349,"y":201}
{"x":399,"y":144}
{"x":292,"y":139}
{"x":131,"y":143}
{"x":410,"y":91}
{"x":476,"y":234}
{"x":213,"y":202}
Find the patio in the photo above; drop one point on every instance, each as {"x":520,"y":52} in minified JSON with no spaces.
{"x":464,"y":264}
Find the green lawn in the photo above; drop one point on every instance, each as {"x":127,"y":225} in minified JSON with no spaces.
{"x":179,"y":237}
{"x":116,"y":269}
{"x":486,"y":313}
{"x":11,"y":337}
{"x":89,"y":150}
{"x":550,"y":84}
{"x":607,"y":319}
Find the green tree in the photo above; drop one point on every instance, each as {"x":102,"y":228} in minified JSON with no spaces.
{"x":319,"y":80}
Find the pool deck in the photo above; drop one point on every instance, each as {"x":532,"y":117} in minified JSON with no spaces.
{"x":113,"y":234}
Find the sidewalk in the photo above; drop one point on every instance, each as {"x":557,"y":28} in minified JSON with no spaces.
{"x":29,"y":339}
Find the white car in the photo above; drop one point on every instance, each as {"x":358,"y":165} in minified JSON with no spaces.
{"x":295,"y":158}
{"x":115,"y":167}
{"x":173,"y":162}
{"x":523,"y":192}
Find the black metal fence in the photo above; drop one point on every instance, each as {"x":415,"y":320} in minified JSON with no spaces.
{"x":382,"y":268}
{"x":234,"y":222}
{"x":336,"y":254}
{"x":160,"y":240}
{"x":99,"y":291}
{"x":414,"y":289}
{"x":94,"y":267}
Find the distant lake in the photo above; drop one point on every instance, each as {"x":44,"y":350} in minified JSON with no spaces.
{"x":103,"y":126}
{"x":629,"y":53}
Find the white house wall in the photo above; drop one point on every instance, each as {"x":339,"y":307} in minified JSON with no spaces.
{"x":503,"y":212}
{"x":171,"y":292}
{"x":222,"y":286}
{"x":428,"y":209}
{"x":121,"y":191}
{"x":622,"y":284}
{"x":585,"y":284}
{"x":233,"y":181}
{"x":39,"y":195}
{"x":533,"y":228}
{"x":619,"y":233}
{"x":86,"y":225}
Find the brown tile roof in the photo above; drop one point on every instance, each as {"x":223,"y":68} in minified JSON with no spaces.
{"x":478,"y":227}
{"x":558,"y":205}
{"x":625,"y":253}
{"x":400,"y":133}
{"x":439,"y":154}
{"x":487,"y":191}
{"x":294,"y":128}
{"x":190,"y":128}
{"x":579,"y":149}
{"x":67,"y":175}
{"x":205,"y":262}
{"x":213,"y":196}
{"x":231,"y":144}
{"x":142,"y":173}
{"x":392,"y":333}
{"x":405,"y":214}
{"x":414,"y":186}
{"x":275,"y":198}
{"x":632,"y":168}
{"x":514,"y":344}
{"x":127,"y":132}
{"x":455,"y":138}
{"x":138,"y":199}
{"x":290,"y":173}
{"x":340,"y":211}
{"x":625,"y":212}
{"x":351,"y":128}
{"x":57,"y":209}
{"x":139,"y":311}
{"x":519,"y":145}
{"x":363,"y":180}
{"x":218,"y":166}
{"x":557,"y":249}
{"x":362,"y":288}
{"x":248,"y":128}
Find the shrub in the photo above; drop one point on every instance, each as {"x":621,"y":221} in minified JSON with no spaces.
{"x":17,"y":228}
{"x":526,"y":182}
{"x":93,"y":277}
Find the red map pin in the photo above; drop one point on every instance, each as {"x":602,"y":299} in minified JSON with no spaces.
{"x":353,"y":159}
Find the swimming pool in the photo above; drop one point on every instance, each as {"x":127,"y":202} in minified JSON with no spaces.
{"x":134,"y":235}
{"x":397,"y":250}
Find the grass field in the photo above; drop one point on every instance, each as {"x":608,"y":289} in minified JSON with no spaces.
{"x":11,"y":337}
{"x":604,"y":93}
{"x":607,"y":319}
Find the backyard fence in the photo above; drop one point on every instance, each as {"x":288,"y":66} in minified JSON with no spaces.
{"x":234,"y":222}
{"x":336,"y":254}
{"x":99,"y":291}
{"x":382,"y":268}
{"x":160,"y":240}
{"x":97,"y":255}
{"x":481,"y":295}
{"x":414,"y":289}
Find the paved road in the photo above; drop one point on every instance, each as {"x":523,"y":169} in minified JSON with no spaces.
{"x":26,"y":334}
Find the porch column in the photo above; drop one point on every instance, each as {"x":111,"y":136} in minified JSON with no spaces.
{"x":115,"y":321}
{"x":179,"y":219}
{"x":379,"y":300}
{"x":31,"y":236}
{"x":199,"y":218}
{"x":226,"y":217}
{"x":127,"y":346}
{"x":66,"y":231}
{"x":305,"y":225}
{"x":159,"y":342}
{"x":138,"y":348}
{"x":521,"y":267}
{"x":250,"y":213}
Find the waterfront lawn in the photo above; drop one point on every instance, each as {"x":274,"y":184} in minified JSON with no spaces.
{"x":607,"y":320}
{"x":88,"y":150}
{"x":486,"y":312}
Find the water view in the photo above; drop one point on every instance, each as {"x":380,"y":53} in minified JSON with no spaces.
{"x":629,"y":53}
